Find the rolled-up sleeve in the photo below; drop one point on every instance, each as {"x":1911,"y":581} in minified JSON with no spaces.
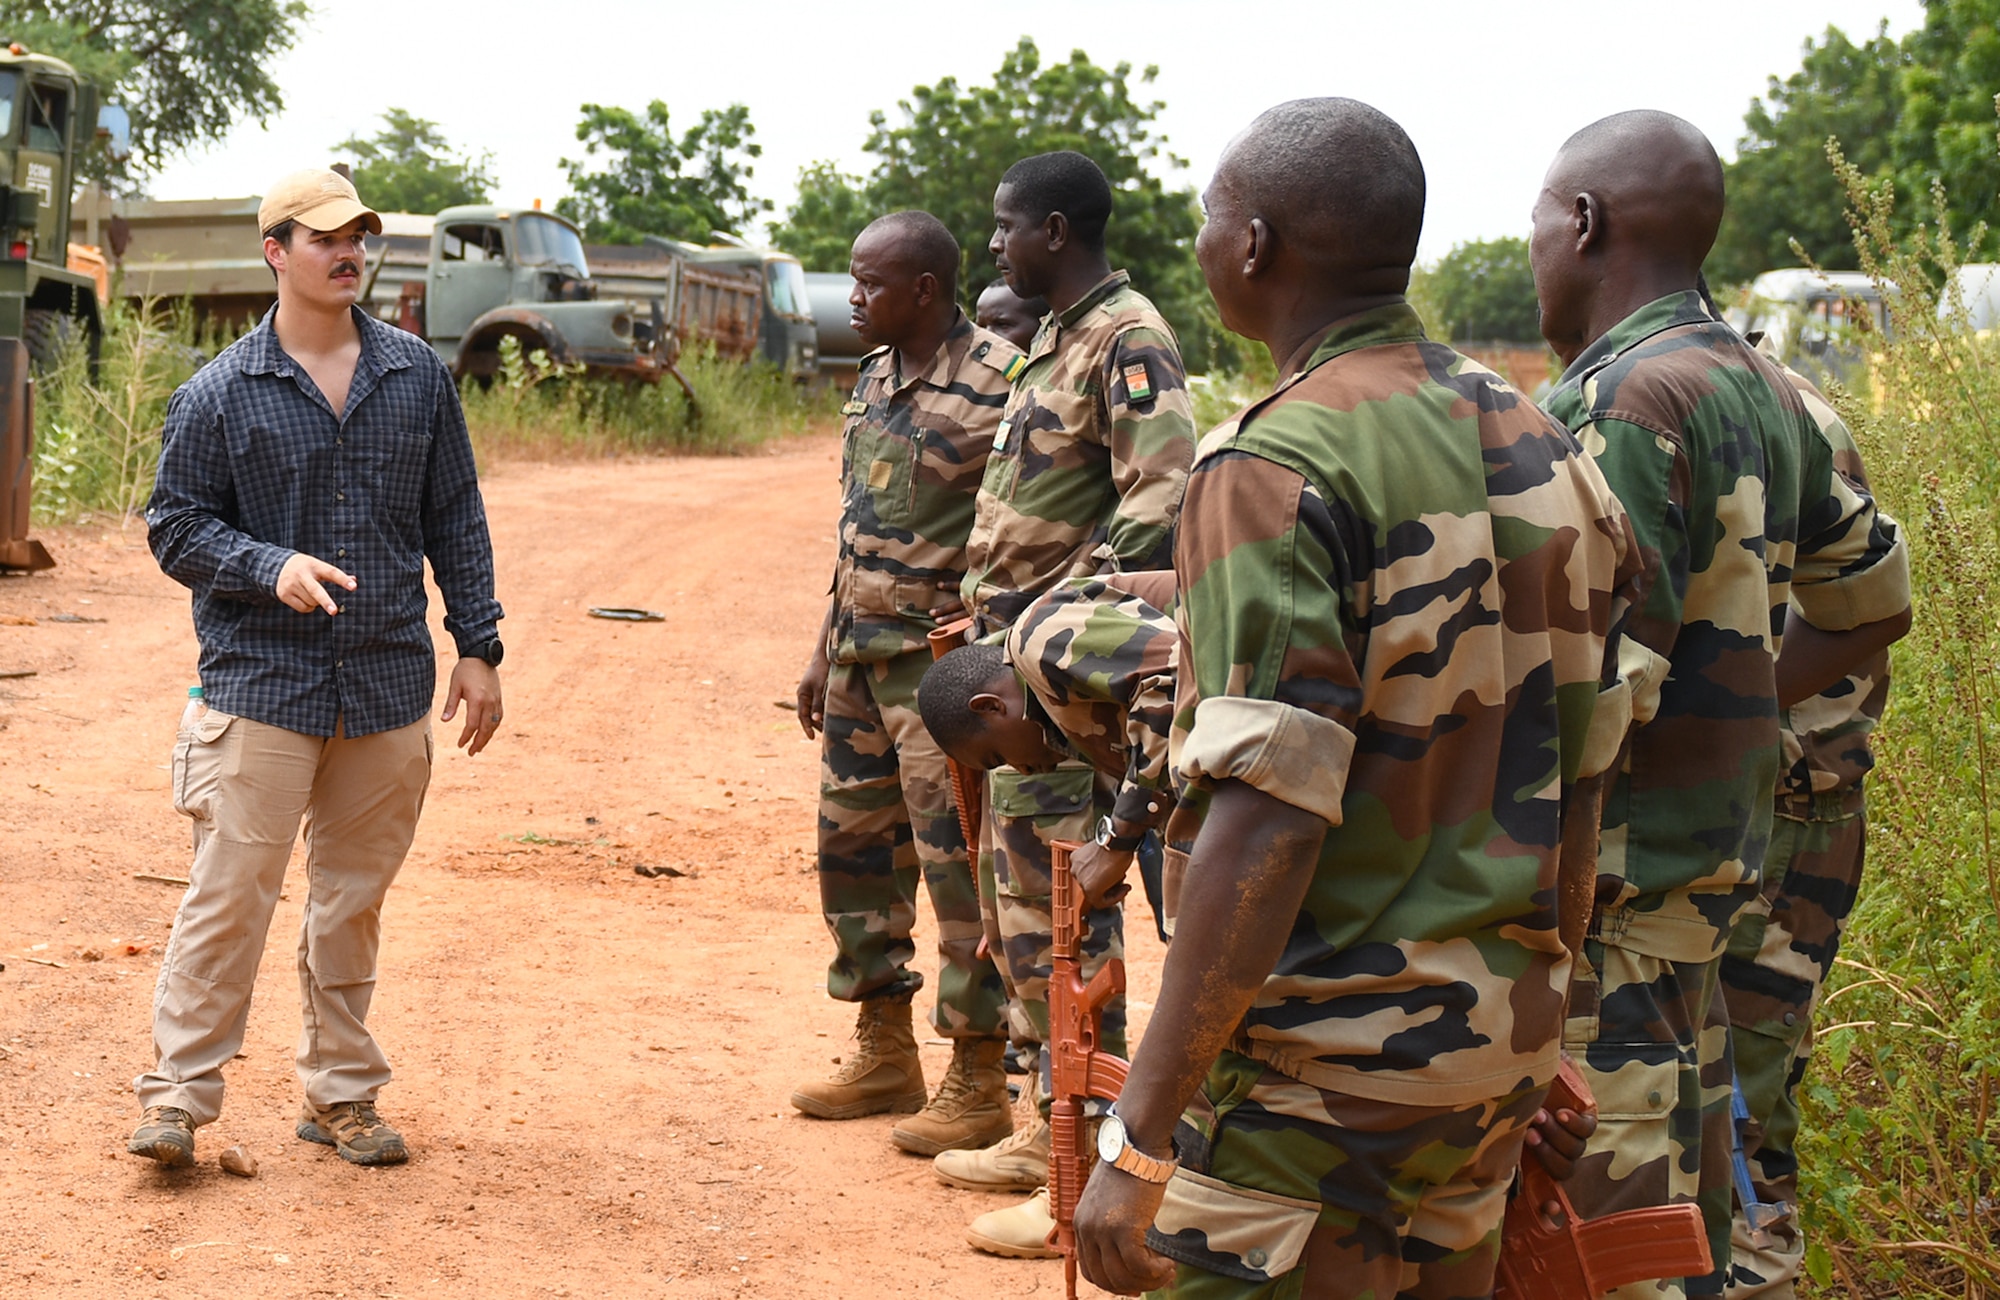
{"x":1277,"y":691}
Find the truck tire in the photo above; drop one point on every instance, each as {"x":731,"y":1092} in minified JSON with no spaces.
{"x":49,"y":335}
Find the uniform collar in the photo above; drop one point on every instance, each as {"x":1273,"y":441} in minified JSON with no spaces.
{"x":945,"y":362}
{"x":1397,"y":322}
{"x":1670,"y":312}
{"x":1103,"y":289}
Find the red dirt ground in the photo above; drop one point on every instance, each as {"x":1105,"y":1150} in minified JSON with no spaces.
{"x":591,"y":1066}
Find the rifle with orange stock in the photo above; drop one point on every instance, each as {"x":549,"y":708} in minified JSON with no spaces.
{"x":1564,"y":1257}
{"x":1078,"y":1068}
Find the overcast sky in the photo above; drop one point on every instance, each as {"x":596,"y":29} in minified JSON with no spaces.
{"x":1487,"y":90}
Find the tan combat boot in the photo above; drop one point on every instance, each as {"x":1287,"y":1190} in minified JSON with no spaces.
{"x":1019,"y":1164}
{"x":1018,"y":1232}
{"x":970,"y":1108}
{"x":882,"y":1074}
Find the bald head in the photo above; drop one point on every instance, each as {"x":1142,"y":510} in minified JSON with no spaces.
{"x":1657,"y":179}
{"x":1339,"y":182}
{"x":916,"y":243}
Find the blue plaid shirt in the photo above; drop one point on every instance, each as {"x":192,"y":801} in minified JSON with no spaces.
{"x":256,"y":467}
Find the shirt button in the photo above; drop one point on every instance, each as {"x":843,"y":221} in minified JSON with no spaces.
{"x":340,"y":442}
{"x":342,"y":552}
{"x":340,"y":496}
{"x":340,"y":663}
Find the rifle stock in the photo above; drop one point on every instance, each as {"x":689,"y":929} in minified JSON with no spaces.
{"x":1570,"y":1258}
{"x":1079,"y":1069}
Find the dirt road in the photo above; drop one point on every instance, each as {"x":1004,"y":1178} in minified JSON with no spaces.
{"x":591,"y":1066}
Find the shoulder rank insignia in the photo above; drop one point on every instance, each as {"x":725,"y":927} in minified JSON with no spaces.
{"x":1012,"y":370}
{"x":1138,"y":383}
{"x":856,"y":407}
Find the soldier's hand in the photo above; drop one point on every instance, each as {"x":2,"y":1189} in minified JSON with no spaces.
{"x":1100,"y":873}
{"x":1558,"y":1138}
{"x":302,"y":583}
{"x":949,"y":612}
{"x":812,"y":694}
{"x":1111,"y":1223}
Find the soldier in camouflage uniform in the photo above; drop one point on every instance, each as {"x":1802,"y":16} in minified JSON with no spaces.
{"x":1782,"y":948}
{"x":1008,"y":314}
{"x":1732,"y":491}
{"x":919,"y":428}
{"x":1398,"y":583}
{"x":1086,"y":477}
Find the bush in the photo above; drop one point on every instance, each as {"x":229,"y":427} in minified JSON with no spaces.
{"x":535,"y":410}
{"x":97,"y":438}
{"x":1898,"y":1164}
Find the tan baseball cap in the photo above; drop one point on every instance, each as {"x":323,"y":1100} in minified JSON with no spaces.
{"x":317,"y":199}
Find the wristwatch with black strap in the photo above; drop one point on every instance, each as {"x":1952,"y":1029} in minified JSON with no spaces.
{"x":1114,"y":1147}
{"x":492,"y":652}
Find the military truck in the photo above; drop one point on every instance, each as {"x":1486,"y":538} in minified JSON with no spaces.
{"x":48,"y":117}
{"x":496,"y":273}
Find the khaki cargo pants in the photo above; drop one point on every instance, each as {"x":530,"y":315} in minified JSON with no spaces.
{"x":247,"y":785}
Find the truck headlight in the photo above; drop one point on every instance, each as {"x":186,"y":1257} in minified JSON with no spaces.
{"x":621,"y":325}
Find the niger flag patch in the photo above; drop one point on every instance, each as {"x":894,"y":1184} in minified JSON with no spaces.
{"x":1138,"y":383}
{"x":1012,"y":370}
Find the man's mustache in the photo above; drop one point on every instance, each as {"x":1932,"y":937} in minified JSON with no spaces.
{"x":345,"y":268}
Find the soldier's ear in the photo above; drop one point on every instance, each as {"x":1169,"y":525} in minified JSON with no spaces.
{"x":987,"y":706}
{"x":1056,"y":227}
{"x":1586,"y":221}
{"x":1260,"y":248}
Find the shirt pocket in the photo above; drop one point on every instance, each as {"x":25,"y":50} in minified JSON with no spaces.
{"x":885,"y":461}
{"x":396,"y":464}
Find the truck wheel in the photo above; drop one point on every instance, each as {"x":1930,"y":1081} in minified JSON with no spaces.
{"x":49,"y":336}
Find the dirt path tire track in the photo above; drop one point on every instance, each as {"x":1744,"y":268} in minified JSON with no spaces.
{"x":592,"y":1067}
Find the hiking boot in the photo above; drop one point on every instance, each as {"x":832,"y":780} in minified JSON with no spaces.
{"x":882,"y":1074}
{"x":165,"y":1134}
{"x":1020,"y":1163}
{"x":1018,"y":1232}
{"x":354,"y":1130}
{"x":970,"y":1108}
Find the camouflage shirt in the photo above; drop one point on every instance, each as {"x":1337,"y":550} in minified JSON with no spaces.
{"x":1091,"y":458}
{"x":1398,"y":582}
{"x":910,"y":460}
{"x":1825,"y":740}
{"x":1731,"y":490}
{"x":1098,"y":663}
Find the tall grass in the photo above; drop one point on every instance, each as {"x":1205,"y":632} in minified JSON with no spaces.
{"x":1898,"y":1156}
{"x":97,"y":437}
{"x":532,"y":409}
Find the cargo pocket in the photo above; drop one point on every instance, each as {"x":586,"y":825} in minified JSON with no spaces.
{"x":1237,"y":1232}
{"x":1638,"y":1092}
{"x":1045,"y":806}
{"x":195,"y":769}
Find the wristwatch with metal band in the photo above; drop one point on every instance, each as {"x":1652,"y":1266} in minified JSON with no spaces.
{"x":1114,"y":1147}
{"x":1107,"y":837}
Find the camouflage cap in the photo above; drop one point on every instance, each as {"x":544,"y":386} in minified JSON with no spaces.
{"x":317,"y":198}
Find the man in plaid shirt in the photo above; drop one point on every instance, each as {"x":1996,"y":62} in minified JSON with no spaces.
{"x":307,"y":474}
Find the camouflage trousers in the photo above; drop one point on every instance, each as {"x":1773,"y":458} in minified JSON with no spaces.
{"x":1778,"y":959}
{"x":1286,"y":1189}
{"x":885,"y":813}
{"x":1651,"y":1038}
{"x":1024,"y":814}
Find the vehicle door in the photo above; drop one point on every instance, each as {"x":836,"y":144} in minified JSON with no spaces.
{"x":469,"y":277}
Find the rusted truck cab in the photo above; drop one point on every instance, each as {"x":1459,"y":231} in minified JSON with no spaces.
{"x":498,"y":272}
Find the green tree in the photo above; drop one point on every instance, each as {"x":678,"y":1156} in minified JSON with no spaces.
{"x":949,"y":145}
{"x":1484,"y":290}
{"x":186,"y":70}
{"x":650,"y":183}
{"x":1944,"y":130}
{"x":1779,"y":186}
{"x":408,"y":166}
